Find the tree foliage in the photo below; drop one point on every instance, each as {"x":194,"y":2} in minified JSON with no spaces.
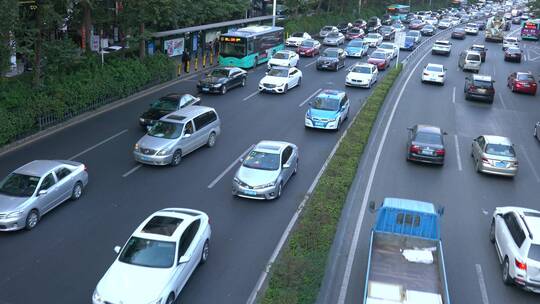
{"x":8,"y":23}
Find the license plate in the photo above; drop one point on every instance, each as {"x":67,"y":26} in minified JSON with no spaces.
{"x":145,"y":158}
{"x":205,"y":89}
{"x":500,"y":164}
{"x":482,"y":91}
{"x":250,"y":192}
{"x":319,"y":124}
{"x":427,"y":152}
{"x":302,"y":53}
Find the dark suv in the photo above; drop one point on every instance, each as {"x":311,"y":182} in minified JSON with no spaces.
{"x":479,"y":87}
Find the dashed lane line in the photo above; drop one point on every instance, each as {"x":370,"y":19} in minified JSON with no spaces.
{"x":98,"y":144}
{"x":222,"y":174}
{"x":482,"y":283}
{"x":307,"y":99}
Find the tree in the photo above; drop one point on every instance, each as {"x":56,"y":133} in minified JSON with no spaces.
{"x":8,"y":21}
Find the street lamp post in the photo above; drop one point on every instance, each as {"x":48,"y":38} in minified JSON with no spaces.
{"x":274,"y":13}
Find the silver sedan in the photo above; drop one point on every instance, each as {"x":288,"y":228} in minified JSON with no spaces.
{"x":265,"y":170}
{"x":36,"y":188}
{"x":495,"y":155}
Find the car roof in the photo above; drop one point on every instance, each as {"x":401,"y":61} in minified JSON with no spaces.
{"x":435,"y":65}
{"x":495,"y":139}
{"x":289,"y":52}
{"x":428,"y":129}
{"x":271,"y":146}
{"x":167,"y":224}
{"x":479,"y":46}
{"x":442,"y":41}
{"x":332,"y":94}
{"x":185,"y":114}
{"x":482,"y":77}
{"x":38,"y":167}
{"x":364,"y":64}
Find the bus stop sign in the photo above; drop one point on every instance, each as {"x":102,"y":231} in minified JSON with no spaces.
{"x":400,"y":39}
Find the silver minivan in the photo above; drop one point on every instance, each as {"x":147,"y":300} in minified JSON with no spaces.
{"x":177,"y":134}
{"x":470,"y":60}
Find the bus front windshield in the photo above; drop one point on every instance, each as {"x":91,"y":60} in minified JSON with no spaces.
{"x":233,"y":49}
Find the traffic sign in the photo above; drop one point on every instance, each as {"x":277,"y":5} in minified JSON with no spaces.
{"x":400,"y":39}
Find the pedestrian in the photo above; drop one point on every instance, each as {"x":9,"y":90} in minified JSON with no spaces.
{"x":185,"y":60}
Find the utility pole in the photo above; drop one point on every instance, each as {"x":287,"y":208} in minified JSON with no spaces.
{"x":359,"y":7}
{"x":274,"y":13}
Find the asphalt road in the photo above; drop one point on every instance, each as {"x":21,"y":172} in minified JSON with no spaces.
{"x":469,"y":198}
{"x":62,"y":260}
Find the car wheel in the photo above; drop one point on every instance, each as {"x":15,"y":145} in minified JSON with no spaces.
{"x":256,"y":63}
{"x":536,"y":133}
{"x":286,"y":88}
{"x":223,"y":89}
{"x":211,"y":140}
{"x":205,"y":252}
{"x":280,"y":187}
{"x":295,"y":168}
{"x":506,"y":272}
{"x":299,"y":81}
{"x":77,"y":191}
{"x":170,"y":299}
{"x":512,"y":88}
{"x":492,"y":232}
{"x":477,"y":165}
{"x":32,"y":219}
{"x":243,"y":83}
{"x":467,"y":97}
{"x":176,"y":158}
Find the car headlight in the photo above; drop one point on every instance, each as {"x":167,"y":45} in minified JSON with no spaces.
{"x":96,"y":297}
{"x":217,"y":85}
{"x":137,"y":147}
{"x":308,"y":115}
{"x":280,"y":85}
{"x":141,"y":119}
{"x":236,"y":180}
{"x":15,"y":214}
{"x":332,"y":119}
{"x":271,"y":184}
{"x":163,"y":152}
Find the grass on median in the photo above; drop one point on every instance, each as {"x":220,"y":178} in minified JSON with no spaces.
{"x":297,"y":274}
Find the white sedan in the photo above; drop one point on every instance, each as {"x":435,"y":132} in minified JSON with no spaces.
{"x":362,"y":75}
{"x":435,"y":73}
{"x":510,"y":42}
{"x":389,"y":48}
{"x":296,"y":39}
{"x":280,"y":80}
{"x":373,"y":39}
{"x":157,"y":260}
{"x":284,"y":58}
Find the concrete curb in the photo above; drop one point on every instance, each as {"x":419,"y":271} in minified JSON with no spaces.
{"x":91,"y":114}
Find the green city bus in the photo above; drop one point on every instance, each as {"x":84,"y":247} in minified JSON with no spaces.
{"x":398,"y":11}
{"x":247,"y":47}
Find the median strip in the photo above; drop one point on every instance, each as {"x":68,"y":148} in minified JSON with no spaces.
{"x":297,"y":274}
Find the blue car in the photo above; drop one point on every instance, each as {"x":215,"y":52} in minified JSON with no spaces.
{"x":328,"y":111}
{"x":356,"y":48}
{"x":410,"y":43}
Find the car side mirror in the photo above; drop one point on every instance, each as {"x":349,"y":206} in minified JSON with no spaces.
{"x":42,"y":192}
{"x":286,"y":166}
{"x":372,"y":206}
{"x":440,"y":211}
{"x":241,"y":160}
{"x":184,"y":259}
{"x":117,"y":249}
{"x":266,"y":73}
{"x":444,"y":133}
{"x":410,"y":129}
{"x":188,"y":135}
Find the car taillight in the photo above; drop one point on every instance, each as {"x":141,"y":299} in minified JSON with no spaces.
{"x":441,"y":75}
{"x":521,"y":265}
{"x":415,"y":149}
{"x":485,"y":160}
{"x":472,"y":88}
{"x":439,"y":152}
{"x":426,"y":74}
{"x":84,"y":168}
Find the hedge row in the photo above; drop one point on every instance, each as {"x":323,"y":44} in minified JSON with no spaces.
{"x":21,"y":106}
{"x":298,"y":273}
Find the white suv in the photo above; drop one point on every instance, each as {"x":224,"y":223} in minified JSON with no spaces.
{"x":515,"y":232}
{"x":157,"y":260}
{"x":441,"y":47}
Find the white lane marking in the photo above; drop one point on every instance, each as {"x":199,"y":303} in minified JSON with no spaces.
{"x":482,"y":282}
{"x":131,"y":171}
{"x":217,"y":179}
{"x":311,"y":63}
{"x":310,"y":96}
{"x":494,"y":72}
{"x":253,"y":296}
{"x":502,"y":100}
{"x":524,"y":57}
{"x":457,"y":153}
{"x":524,"y":152}
{"x":251,"y":95}
{"x":354,"y":243}
{"x":454,"y":95}
{"x":98,"y":144}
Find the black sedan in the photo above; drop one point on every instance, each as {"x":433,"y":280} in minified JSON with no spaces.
{"x":164,"y":106}
{"x":513,"y":54}
{"x":481,"y":25}
{"x":331,"y":59}
{"x":458,"y":33}
{"x":387,"y":32}
{"x":222,"y":79}
{"x":428,"y":30}
{"x":426,"y":144}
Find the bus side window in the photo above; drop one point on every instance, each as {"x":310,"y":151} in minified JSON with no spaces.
{"x":251,"y":46}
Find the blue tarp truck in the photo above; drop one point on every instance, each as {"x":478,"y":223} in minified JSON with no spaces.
{"x":406,"y":264}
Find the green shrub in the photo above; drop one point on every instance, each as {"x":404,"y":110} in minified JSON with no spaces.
{"x":21,"y":106}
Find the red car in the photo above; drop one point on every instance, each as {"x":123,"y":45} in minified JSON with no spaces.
{"x":309,"y":48}
{"x":354,"y":33}
{"x":513,"y":54}
{"x":416,"y":24}
{"x":522,"y":82}
{"x":379,"y":59}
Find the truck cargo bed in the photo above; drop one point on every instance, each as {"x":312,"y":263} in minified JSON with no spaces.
{"x":388,"y":265}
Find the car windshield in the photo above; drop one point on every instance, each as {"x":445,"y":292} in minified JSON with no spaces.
{"x":324,"y":103}
{"x":148,"y":253}
{"x":444,"y":21}
{"x":471,"y":24}
{"x":219,"y":73}
{"x":525,"y":77}
{"x":500,"y":150}
{"x":19,"y":185}
{"x":281,"y":55}
{"x":308,"y":43}
{"x":262,"y":160}
{"x":473,"y":57}
{"x":378,"y":55}
{"x":534,"y":252}
{"x":442,"y":43}
{"x":459,"y":30}
{"x":373,"y":36}
{"x":326,"y":28}
{"x":428,"y":138}
{"x":513,"y":50}
{"x":165,"y":129}
{"x":278,"y":73}
{"x":409,"y":39}
{"x":333,"y":35}
{"x":428,"y":27}
{"x":297,"y":34}
{"x":413,"y":34}
{"x":354,"y":31}
{"x":230,"y":49}
{"x":330,"y":53}
{"x":386,"y":46}
{"x":357,"y":43}
{"x":166,"y":104}
{"x":475,"y":48}
{"x":482,"y":84}
{"x":433,"y":68}
{"x":386,"y":29}
{"x":361,"y":69}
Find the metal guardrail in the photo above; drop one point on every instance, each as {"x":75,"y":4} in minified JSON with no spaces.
{"x":198,"y":28}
